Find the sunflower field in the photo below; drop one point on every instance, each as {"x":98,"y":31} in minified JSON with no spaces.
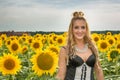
{"x":35,"y":57}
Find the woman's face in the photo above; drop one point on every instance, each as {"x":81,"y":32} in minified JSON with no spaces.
{"x":79,"y":29}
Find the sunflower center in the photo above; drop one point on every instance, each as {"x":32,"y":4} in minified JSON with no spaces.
{"x":118,"y":46}
{"x":24,"y":49}
{"x":43,"y":40}
{"x":54,"y":50}
{"x":59,"y":40}
{"x":51,"y":42}
{"x":9,"y":64}
{"x":14,"y":46}
{"x":3,"y":38}
{"x":96,"y":39}
{"x":115,"y":38}
{"x":23,"y":39}
{"x":8,"y":42}
{"x":36,"y":45}
{"x":12,"y":38}
{"x":54,"y":38}
{"x":37,"y":36}
{"x":45,"y":61}
{"x":103,"y":45}
{"x":109,"y":33}
{"x":30,"y":40}
{"x":111,"y":41}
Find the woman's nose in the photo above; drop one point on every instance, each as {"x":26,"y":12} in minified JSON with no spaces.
{"x":79,"y":29}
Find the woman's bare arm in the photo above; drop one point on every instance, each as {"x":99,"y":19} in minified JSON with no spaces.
{"x":99,"y":72}
{"x":62,"y":65}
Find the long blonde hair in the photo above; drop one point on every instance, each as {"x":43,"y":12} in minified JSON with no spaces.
{"x":87,"y":38}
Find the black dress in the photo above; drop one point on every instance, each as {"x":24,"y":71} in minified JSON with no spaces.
{"x":80,"y":70}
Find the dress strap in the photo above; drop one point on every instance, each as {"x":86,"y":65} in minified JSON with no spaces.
{"x":64,"y":47}
{"x":67,"y":57}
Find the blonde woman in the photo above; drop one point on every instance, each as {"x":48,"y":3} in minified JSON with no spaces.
{"x":79,"y":58}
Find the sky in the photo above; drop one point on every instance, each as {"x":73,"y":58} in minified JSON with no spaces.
{"x":55,"y":15}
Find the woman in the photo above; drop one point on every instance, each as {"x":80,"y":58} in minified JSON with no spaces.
{"x":79,"y":58}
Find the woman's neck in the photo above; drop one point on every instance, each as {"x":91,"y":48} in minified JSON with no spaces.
{"x":80,"y":43}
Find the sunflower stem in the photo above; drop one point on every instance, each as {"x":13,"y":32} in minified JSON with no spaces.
{"x":116,"y":66}
{"x":29,"y":65}
{"x":11,"y":77}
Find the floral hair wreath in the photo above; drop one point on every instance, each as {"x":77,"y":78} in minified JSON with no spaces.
{"x":78,"y":14}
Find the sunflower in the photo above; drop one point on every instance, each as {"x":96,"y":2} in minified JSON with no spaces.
{"x":111,"y":40}
{"x":30,"y":40}
{"x":1,"y":43}
{"x":95,"y":37}
{"x":65,"y":34}
{"x":51,"y":34}
{"x":50,"y":41}
{"x":116,"y":37}
{"x":3,"y":37}
{"x":44,"y":62}
{"x":9,"y":64}
{"x":13,"y":38}
{"x":54,"y":48}
{"x":44,"y":40}
{"x":23,"y":39}
{"x":103,"y":45}
{"x":8,"y":42}
{"x":37,"y":35}
{"x":44,"y":35}
{"x":36,"y":45}
{"x":113,"y":54}
{"x":24,"y":49}
{"x":25,"y":34}
{"x":54,"y":37}
{"x":60,"y":40}
{"x":14,"y":47}
{"x":118,"y":45}
{"x":108,"y":33}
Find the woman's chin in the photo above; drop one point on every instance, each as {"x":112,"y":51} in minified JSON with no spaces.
{"x":79,"y":38}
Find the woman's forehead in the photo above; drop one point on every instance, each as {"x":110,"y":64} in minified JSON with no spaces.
{"x":79,"y":22}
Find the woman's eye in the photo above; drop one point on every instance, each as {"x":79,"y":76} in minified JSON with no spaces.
{"x":76,"y":27}
{"x":82,"y":27}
